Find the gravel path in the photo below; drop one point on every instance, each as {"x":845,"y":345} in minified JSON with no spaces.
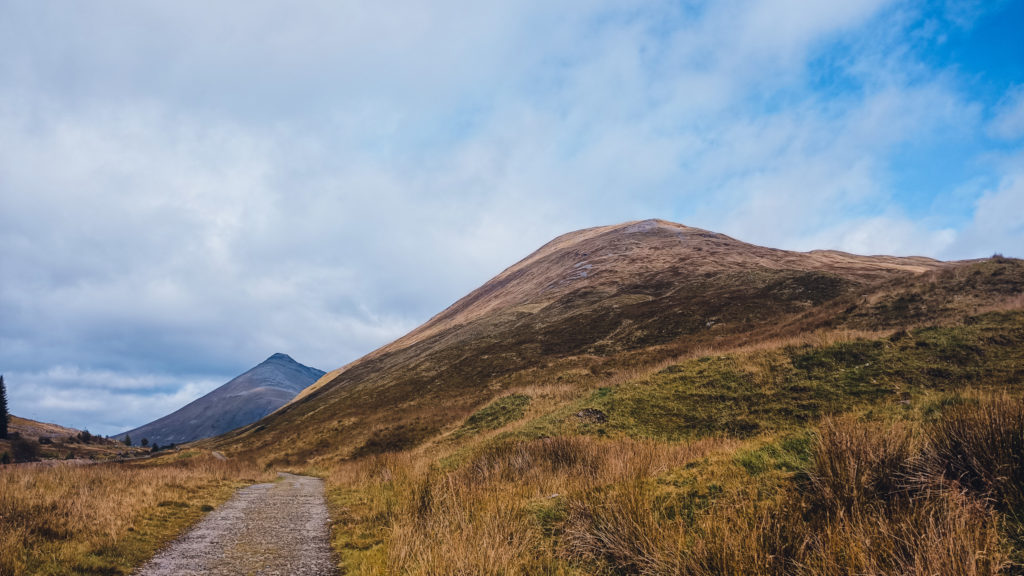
{"x":278,"y":529}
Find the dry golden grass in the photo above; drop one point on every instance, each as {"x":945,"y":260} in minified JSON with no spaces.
{"x":857,"y":463}
{"x":862,"y":511}
{"x":910,"y":475}
{"x":497,"y":513}
{"x":870,"y":500}
{"x":105,"y":518}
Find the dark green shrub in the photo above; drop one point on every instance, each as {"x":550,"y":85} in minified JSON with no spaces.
{"x":24,"y":450}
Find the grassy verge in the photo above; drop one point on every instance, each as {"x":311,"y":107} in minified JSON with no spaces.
{"x":106,"y":518}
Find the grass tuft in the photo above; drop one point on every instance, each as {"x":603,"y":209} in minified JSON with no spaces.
{"x":981,"y":447}
{"x":859,"y":462}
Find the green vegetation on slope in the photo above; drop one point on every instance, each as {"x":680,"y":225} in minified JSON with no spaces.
{"x":502,"y":411}
{"x":408,"y":395}
{"x":894,"y":455}
{"x":773,"y":390}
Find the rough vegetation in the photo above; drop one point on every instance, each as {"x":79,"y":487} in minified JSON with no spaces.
{"x":30,"y":441}
{"x":905,"y":460}
{"x":106,"y":518}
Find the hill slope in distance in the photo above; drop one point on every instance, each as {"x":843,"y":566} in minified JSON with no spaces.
{"x":245,"y":399}
{"x":30,"y":440}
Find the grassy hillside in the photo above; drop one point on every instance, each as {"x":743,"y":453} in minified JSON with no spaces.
{"x":692,"y":406}
{"x":32,"y":441}
{"x":898,"y":455}
{"x":405,"y":397}
{"x":645,"y":399}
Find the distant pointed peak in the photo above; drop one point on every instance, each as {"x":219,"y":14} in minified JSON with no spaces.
{"x":280,"y":357}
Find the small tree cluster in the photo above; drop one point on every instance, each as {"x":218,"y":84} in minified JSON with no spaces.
{"x":127,"y":440}
{"x":25,"y":450}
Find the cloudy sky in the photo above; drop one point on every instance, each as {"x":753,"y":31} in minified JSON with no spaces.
{"x":188,"y":187}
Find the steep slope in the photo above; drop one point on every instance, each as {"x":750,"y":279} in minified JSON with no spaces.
{"x":632,"y":264}
{"x":243,"y":400}
{"x":602,"y":302}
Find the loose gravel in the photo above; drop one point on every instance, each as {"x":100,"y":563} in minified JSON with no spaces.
{"x":278,"y":529}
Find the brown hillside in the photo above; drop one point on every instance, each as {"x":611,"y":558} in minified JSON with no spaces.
{"x":32,"y":440}
{"x":36,"y":430}
{"x":608,"y":259}
{"x":602,"y":302}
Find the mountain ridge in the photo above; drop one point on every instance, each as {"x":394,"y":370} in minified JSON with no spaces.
{"x":241,"y":401}
{"x":603,"y":301}
{"x":453,"y":314}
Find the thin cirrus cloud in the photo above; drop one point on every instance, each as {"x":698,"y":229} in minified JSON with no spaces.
{"x":187,"y":188}
{"x":1008,"y":120}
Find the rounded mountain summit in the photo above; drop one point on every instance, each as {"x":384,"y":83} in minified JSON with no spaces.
{"x":601,"y":303}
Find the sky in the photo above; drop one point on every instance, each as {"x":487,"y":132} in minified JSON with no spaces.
{"x":189,"y":187}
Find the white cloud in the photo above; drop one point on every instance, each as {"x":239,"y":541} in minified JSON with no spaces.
{"x":186,"y":189}
{"x":102,"y":401}
{"x":888,"y":235}
{"x":1008,"y":121}
{"x":997,"y":225}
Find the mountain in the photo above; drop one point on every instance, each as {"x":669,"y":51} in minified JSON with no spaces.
{"x":650,"y":398}
{"x":243,"y":400}
{"x":602,"y":303}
